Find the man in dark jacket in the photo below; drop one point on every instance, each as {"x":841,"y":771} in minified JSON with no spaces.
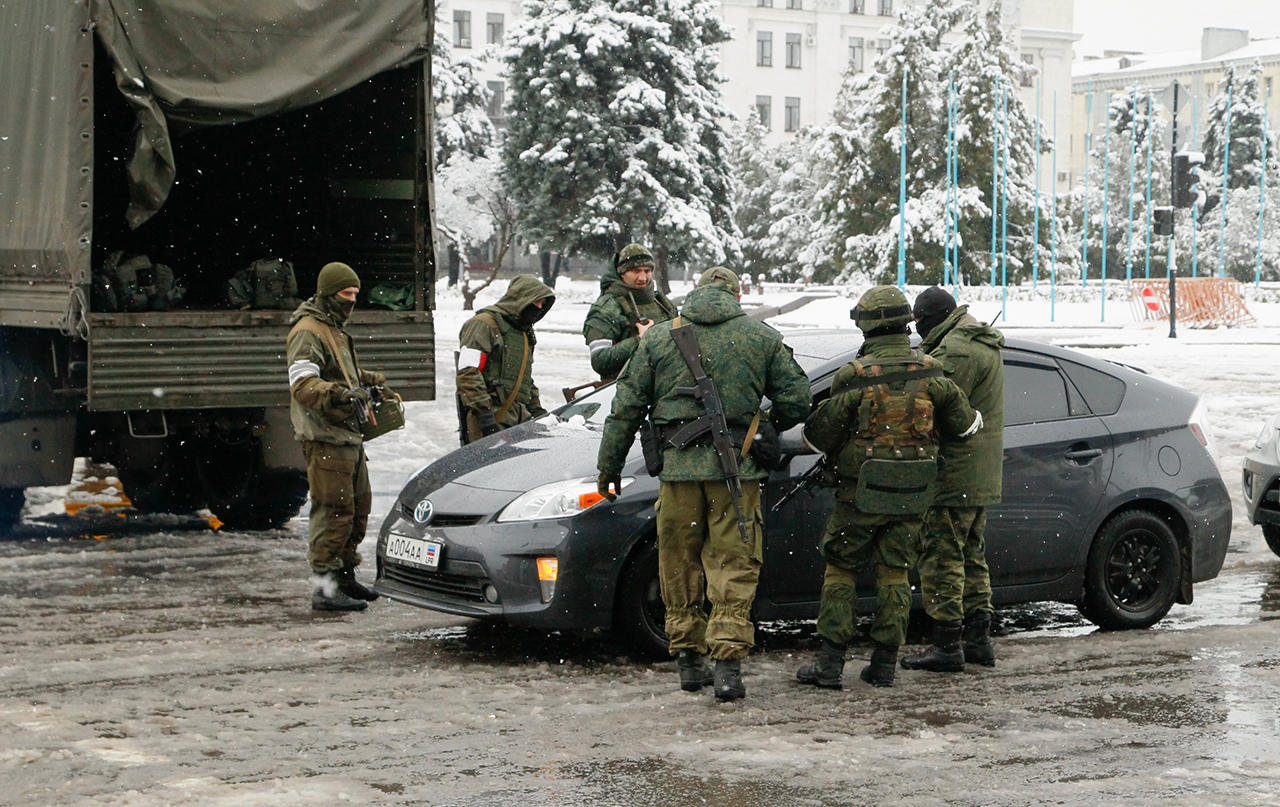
{"x":326,"y":390}
{"x":954,"y":581}
{"x":701,"y":551}
{"x":495,"y":359}
{"x":628,"y":305}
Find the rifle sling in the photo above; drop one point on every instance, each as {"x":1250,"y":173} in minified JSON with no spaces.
{"x":696,"y":368}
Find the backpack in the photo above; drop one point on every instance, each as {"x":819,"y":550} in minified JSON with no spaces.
{"x":894,"y":434}
{"x":265,"y":283}
{"x":135,"y":284}
{"x":392,"y":296}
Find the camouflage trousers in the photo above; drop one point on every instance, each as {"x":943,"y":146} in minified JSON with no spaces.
{"x":954,"y":579}
{"x":701,"y":556}
{"x":854,"y":542}
{"x":340,"y":500}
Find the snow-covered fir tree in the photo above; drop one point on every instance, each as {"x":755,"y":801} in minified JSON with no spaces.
{"x":793,"y":245}
{"x":616,"y":129}
{"x":462,"y":124}
{"x":1245,"y":159}
{"x":755,"y":170}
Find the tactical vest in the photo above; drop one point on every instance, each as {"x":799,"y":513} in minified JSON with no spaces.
{"x":894,"y":436}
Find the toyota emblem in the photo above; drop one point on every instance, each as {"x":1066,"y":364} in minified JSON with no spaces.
{"x":423,"y":512}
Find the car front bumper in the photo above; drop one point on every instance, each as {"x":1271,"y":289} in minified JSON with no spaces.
{"x":1261,"y":486}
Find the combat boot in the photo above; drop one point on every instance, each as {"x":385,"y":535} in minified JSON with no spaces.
{"x":327,"y":596}
{"x":695,"y":673}
{"x":826,"y":670}
{"x":728,"y":680}
{"x":353,"y":588}
{"x":880,"y":671}
{"x":944,"y":655}
{"x":977,"y":639}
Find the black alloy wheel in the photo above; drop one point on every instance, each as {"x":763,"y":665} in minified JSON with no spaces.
{"x":1271,"y":533}
{"x":1132,"y":575}
{"x":640,"y":616}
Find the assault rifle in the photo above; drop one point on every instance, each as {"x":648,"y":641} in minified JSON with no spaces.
{"x":711,"y":421}
{"x":821,"y":473}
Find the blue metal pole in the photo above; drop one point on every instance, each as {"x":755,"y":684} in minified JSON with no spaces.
{"x":955,"y":183}
{"x":995,"y":175}
{"x":1106,"y":183}
{"x":1195,"y":206}
{"x":1262,"y":192}
{"x":1053,"y":216}
{"x":1035,"y":247}
{"x":1004,"y":203}
{"x":1226,"y":179}
{"x":1133,"y":155}
{"x":946,"y":241}
{"x":1146,"y":272}
{"x":902,"y":189}
{"x":1084,"y":220}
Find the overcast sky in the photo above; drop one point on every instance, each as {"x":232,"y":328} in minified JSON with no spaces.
{"x":1160,"y":25}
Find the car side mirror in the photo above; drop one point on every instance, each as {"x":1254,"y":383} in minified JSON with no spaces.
{"x":792,"y":441}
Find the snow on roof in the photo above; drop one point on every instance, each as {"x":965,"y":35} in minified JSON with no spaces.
{"x":1143,"y":63}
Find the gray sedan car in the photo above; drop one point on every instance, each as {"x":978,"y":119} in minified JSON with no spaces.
{"x":1112,"y":501}
{"x":1262,"y":482}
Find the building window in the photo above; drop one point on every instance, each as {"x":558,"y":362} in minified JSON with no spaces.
{"x":1267,"y":88}
{"x":886,"y":8}
{"x":764,"y":3}
{"x":497,"y":100}
{"x":882,"y":46}
{"x":793,"y":50}
{"x":462,"y":29}
{"x":795,"y":3}
{"x":493,"y":29}
{"x":792,"y":122}
{"x":857,"y":46}
{"x":857,"y":6}
{"x":1028,"y":76}
{"x":764,"y":109}
{"x":764,"y":49}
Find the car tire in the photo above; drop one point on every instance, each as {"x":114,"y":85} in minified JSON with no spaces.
{"x":11,"y":502}
{"x":639,"y":617}
{"x":1133,"y":570}
{"x":1271,"y":533}
{"x":165,"y":487}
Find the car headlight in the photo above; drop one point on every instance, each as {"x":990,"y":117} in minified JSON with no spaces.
{"x":562,"y":499}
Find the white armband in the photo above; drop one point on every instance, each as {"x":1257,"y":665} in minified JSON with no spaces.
{"x":975,"y":426}
{"x":597,"y":345}
{"x":301,"y":369}
{"x":470,"y":357}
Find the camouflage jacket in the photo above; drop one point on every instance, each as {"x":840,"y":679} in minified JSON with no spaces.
{"x":610,"y":327}
{"x":832,"y":426}
{"x":316,"y":378}
{"x":746,"y":359}
{"x":497,"y":342}
{"x":969,"y":473}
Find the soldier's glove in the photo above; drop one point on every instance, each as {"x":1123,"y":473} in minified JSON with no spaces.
{"x":604,"y":480}
{"x":355,"y":397}
{"x":766,"y":448}
{"x":488,"y":424}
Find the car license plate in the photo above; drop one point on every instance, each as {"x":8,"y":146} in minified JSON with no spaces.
{"x":413,"y":551}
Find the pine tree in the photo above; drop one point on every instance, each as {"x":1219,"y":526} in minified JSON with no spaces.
{"x":756,"y":173}
{"x":462,"y":124}
{"x":1245,"y":166}
{"x":615,"y":128}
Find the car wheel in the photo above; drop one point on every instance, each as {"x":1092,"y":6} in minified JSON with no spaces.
{"x":1271,"y":532}
{"x":1132,"y":575}
{"x":640,"y":616}
{"x":11,"y":501}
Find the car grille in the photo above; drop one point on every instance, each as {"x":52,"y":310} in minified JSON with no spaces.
{"x":443,"y":519}
{"x":468,"y":587}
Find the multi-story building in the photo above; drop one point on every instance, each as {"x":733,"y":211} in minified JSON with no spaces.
{"x":1197,"y":72}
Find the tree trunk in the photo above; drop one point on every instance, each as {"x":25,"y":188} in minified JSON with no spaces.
{"x":561,"y":264}
{"x":454,"y":262}
{"x":544,"y":261}
{"x":660,"y":270}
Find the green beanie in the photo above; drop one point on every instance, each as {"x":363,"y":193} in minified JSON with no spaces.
{"x":719,"y":274}
{"x":335,"y":277}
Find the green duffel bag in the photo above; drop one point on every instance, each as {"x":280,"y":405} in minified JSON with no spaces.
{"x":896,"y":487}
{"x":386,"y":415}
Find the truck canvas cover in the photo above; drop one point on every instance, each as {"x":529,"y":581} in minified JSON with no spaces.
{"x":179,"y":63}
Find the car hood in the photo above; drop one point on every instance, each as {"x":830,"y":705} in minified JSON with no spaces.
{"x":515,"y":460}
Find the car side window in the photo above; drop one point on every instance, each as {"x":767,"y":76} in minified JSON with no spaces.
{"x":1102,"y":392}
{"x":1034,"y":392}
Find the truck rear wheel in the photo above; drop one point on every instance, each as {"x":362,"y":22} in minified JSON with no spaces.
{"x":246,"y":496}
{"x":162,"y":488}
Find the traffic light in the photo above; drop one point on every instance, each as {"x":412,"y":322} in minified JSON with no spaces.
{"x":1187,"y":179}
{"x":1162,"y":220}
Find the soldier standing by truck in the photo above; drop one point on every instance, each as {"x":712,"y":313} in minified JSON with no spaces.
{"x":704,"y":380}
{"x":955,"y":583}
{"x":880,"y":427}
{"x":628,"y":305}
{"x":327,"y":400}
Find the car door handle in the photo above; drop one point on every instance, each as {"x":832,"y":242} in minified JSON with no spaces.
{"x":1083,"y":454}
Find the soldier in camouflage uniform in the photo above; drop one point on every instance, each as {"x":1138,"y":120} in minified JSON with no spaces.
{"x":701,"y":554}
{"x":628,"y":306}
{"x":954,"y":581}
{"x":495,"y":359}
{"x":325,"y":386}
{"x":883,"y":433}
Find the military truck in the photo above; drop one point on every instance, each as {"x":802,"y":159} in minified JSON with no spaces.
{"x":205,"y":136}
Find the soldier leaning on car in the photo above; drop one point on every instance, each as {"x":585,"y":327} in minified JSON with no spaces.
{"x":628,"y":306}
{"x":701,"y":552}
{"x":889,"y":423}
{"x":325,"y":386}
{"x":955,"y":583}
{"x":495,"y":359}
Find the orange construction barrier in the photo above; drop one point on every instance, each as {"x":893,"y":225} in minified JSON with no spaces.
{"x":1203,"y":302}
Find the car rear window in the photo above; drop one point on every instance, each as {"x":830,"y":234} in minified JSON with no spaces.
{"x":1103,"y":393}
